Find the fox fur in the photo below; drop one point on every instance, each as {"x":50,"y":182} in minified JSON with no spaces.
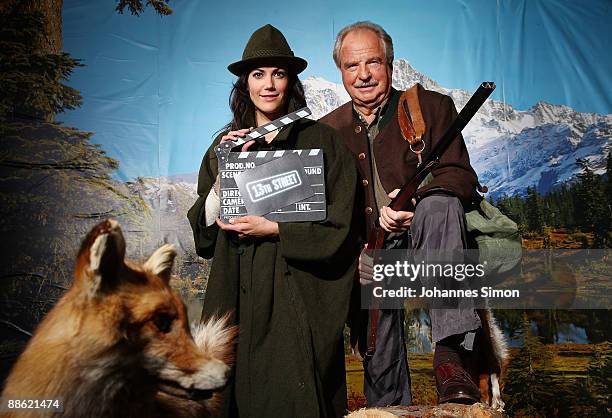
{"x":492,"y":360}
{"x":118,"y":342}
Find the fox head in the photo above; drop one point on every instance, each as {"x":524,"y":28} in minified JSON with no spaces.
{"x":135,"y":307}
{"x":118,"y":342}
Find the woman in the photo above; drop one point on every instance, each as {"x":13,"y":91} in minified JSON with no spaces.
{"x":287,"y":284}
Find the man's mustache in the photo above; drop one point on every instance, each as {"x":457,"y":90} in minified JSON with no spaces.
{"x":371,"y":83}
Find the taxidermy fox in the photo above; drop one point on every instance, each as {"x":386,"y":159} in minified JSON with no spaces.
{"x":118,"y":342}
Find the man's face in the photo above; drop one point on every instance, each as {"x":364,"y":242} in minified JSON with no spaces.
{"x":365,"y":73}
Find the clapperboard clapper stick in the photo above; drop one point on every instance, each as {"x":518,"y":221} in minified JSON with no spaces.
{"x":223,"y":149}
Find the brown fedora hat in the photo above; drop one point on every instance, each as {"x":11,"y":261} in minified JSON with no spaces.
{"x":267,"y":46}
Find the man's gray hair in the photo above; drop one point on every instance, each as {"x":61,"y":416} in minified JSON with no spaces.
{"x":383,"y":36}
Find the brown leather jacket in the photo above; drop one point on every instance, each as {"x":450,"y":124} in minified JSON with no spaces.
{"x":395,"y":161}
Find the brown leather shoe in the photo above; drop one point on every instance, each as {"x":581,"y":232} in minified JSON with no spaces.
{"x":454,"y":384}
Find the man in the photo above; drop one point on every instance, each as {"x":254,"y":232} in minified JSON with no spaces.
{"x":369,"y":126}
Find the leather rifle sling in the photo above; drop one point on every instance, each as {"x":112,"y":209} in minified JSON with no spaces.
{"x":412,"y":127}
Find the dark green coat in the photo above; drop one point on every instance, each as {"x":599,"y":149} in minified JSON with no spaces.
{"x":289,"y":294}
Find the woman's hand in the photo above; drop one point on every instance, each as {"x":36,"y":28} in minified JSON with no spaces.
{"x":240,"y":133}
{"x":217,"y":186}
{"x":253,"y":226}
{"x":231,"y":136}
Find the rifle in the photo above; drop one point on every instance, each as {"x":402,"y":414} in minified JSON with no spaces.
{"x":403,"y":200}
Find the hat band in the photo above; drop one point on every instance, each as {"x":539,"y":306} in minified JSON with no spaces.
{"x":269,"y":53}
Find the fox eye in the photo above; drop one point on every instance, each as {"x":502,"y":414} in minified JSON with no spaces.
{"x":163,"y":322}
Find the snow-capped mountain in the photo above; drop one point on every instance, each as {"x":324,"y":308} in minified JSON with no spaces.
{"x":510,"y":149}
{"x":323,"y":96}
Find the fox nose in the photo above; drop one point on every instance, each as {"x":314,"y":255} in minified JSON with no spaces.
{"x":213,"y":375}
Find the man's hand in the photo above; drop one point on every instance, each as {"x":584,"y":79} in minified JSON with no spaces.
{"x":366,"y":266}
{"x":395,"y":221}
{"x":253,"y":226}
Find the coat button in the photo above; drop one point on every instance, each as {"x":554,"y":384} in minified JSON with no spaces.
{"x":357,"y":129}
{"x":365,"y":182}
{"x":369,"y":210}
{"x":243,"y":289}
{"x":240,"y":250}
{"x":361,"y":156}
{"x":301,"y":385}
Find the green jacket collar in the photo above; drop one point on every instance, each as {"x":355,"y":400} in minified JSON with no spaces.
{"x":388,"y":110}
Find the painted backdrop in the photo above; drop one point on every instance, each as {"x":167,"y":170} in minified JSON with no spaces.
{"x":155,"y":91}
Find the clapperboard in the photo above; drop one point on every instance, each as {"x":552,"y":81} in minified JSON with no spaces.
{"x":282,"y":185}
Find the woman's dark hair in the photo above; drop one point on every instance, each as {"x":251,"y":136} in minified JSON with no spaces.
{"x":243,"y":109}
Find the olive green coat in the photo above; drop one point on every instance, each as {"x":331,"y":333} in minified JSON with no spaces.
{"x":289,"y":294}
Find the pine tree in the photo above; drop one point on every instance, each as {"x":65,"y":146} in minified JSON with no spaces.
{"x":503,"y":204}
{"x":550,"y":211}
{"x":518,"y":207}
{"x":513,"y":207}
{"x":599,"y":380}
{"x":534,"y":210}
{"x":565,"y":202}
{"x":607,"y":210}
{"x":32,"y":83}
{"x":593,"y":395}
{"x":529,"y":387}
{"x":136,"y":7}
{"x":601,"y":216}
{"x":609,"y":180}
{"x":583,"y":197}
{"x":591,"y":205}
{"x":55,"y":183}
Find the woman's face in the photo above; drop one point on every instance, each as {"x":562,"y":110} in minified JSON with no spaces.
{"x":268,"y":92}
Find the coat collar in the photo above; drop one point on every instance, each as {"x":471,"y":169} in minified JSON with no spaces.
{"x":387,"y":111}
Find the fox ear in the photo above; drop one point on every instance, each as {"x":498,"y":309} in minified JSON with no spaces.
{"x":161,"y":261}
{"x":102,"y":253}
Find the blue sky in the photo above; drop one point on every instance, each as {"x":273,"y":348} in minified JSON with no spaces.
{"x":156,"y":89}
